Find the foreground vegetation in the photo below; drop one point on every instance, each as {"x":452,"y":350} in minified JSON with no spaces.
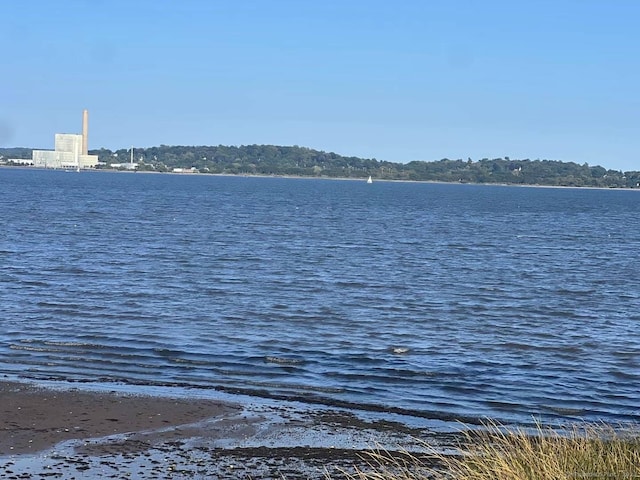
{"x":582,"y":452}
{"x":300,"y":161}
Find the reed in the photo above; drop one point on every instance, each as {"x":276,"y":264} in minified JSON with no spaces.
{"x":593,"y":452}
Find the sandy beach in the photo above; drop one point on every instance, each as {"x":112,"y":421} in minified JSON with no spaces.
{"x":83,"y":434}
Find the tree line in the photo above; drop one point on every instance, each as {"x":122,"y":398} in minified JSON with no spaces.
{"x":307,"y":162}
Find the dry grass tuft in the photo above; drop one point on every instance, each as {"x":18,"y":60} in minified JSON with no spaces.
{"x":402,"y":465}
{"x":593,"y":452}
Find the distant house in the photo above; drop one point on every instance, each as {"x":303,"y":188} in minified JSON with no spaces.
{"x":124,"y":166}
{"x":20,"y":161}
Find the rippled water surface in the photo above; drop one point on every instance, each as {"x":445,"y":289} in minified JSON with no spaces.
{"x":440,"y":301}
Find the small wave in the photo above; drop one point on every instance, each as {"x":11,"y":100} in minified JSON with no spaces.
{"x":519,"y":346}
{"x":504,"y":406}
{"x":72,"y":344}
{"x":575,"y":291}
{"x":168,"y":352}
{"x":624,"y":375}
{"x":34,"y":283}
{"x":282,"y":360}
{"x":400,"y":350}
{"x":343,"y":284}
{"x":566,"y":410}
{"x":29,"y":349}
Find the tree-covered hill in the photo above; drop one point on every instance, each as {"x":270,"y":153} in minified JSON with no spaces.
{"x":295,"y":160}
{"x":15,"y":152}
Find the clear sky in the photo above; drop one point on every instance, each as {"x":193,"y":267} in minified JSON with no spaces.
{"x":394,"y":80}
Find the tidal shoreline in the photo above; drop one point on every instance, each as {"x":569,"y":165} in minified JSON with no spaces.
{"x":66,"y":433}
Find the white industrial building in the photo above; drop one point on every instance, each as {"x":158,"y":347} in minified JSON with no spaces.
{"x":71,"y":150}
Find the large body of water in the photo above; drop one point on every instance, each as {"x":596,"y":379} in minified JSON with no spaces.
{"x":438,"y":301}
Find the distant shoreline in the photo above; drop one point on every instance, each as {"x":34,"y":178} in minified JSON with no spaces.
{"x":303,"y":177}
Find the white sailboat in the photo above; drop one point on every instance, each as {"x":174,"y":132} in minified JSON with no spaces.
{"x":369,"y":180}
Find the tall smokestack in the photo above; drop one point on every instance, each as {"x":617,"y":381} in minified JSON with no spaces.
{"x":85,"y":132}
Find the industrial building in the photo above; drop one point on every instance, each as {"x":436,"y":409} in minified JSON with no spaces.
{"x":70,"y":150}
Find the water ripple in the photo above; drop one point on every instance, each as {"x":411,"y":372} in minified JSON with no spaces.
{"x":439,"y":301}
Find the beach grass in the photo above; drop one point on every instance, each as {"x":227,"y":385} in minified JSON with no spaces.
{"x":586,"y":451}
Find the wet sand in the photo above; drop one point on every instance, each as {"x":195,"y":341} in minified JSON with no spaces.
{"x":34,"y":419}
{"x":72,"y":434}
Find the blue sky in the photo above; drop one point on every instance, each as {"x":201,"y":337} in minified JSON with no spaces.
{"x":398,"y":81}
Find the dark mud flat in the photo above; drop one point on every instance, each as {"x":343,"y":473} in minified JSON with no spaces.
{"x":34,"y":419}
{"x":176,"y":460}
{"x":71,"y":434}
